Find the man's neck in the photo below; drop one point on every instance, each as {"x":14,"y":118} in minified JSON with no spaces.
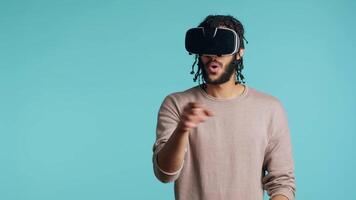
{"x":226,"y":90}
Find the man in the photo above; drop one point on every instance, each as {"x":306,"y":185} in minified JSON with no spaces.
{"x":223,"y":139}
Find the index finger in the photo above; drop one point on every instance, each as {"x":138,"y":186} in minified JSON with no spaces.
{"x":198,"y":105}
{"x":208,"y":112}
{"x":195,"y":105}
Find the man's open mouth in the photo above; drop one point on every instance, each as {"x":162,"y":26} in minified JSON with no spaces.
{"x":213,"y":67}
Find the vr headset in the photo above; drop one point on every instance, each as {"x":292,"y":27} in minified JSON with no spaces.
{"x":212,"y":41}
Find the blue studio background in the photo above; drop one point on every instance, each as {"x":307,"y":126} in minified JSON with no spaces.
{"x":81,"y":83}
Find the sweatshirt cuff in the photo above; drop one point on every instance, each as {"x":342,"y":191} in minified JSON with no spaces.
{"x":168,"y":173}
{"x":285,"y":192}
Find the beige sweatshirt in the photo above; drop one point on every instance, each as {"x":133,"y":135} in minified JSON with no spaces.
{"x":244,"y":149}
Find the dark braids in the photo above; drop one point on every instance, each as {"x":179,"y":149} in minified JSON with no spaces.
{"x":213,"y":21}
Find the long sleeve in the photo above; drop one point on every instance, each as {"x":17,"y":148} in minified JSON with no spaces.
{"x":167,"y":120}
{"x":278,"y":160}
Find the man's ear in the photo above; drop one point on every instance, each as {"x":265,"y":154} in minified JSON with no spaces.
{"x":240,"y":54}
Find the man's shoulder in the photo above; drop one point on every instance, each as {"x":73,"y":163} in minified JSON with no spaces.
{"x":184,"y":95}
{"x":263,"y":97}
{"x":186,"y":92}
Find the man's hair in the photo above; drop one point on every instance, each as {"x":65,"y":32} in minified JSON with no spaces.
{"x":228,"y":21}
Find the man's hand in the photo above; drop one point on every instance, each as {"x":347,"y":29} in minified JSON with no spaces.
{"x":193,"y":114}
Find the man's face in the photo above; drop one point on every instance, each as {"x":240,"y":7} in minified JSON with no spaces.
{"x":217,"y":70}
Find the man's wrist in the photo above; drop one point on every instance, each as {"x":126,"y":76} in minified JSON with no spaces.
{"x":181,"y":130}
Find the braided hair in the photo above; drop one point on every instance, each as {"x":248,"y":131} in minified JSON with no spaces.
{"x":214,"y":21}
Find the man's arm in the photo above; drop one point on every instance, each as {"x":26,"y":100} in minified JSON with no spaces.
{"x":171,"y":157}
{"x":169,"y":154}
{"x":278,"y":162}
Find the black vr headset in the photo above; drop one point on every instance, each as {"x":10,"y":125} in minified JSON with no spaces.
{"x":212,"y":41}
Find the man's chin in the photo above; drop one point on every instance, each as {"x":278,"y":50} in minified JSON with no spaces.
{"x":209,"y":80}
{"x":215,"y":81}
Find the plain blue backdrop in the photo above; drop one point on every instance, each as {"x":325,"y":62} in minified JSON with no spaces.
{"x":81,"y":83}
